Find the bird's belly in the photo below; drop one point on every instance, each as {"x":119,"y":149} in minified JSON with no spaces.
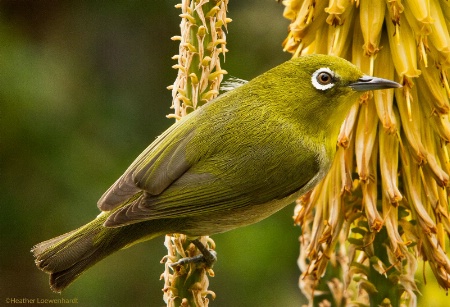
{"x":218,"y":222}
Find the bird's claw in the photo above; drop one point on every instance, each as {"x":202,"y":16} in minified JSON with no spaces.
{"x":208,"y":257}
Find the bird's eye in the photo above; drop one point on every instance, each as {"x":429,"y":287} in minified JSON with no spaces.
{"x":323,"y":79}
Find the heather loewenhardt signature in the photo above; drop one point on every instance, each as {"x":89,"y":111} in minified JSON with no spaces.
{"x":37,"y":300}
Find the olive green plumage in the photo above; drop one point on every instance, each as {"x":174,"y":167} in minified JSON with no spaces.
{"x":234,"y":162}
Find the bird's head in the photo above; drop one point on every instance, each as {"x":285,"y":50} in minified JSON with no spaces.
{"x":322,"y":88}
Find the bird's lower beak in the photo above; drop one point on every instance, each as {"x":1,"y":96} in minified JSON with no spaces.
{"x":367,"y":83}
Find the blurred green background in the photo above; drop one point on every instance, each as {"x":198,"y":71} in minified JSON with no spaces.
{"x":82,"y":93}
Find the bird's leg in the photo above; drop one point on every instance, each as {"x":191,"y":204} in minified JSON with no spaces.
{"x":209,"y":257}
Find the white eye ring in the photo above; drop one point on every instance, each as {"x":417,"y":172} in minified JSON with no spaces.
{"x":323,"y":78}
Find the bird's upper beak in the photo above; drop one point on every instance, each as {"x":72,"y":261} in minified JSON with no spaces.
{"x":368,"y":83}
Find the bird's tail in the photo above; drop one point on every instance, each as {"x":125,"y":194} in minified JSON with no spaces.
{"x":66,"y":257}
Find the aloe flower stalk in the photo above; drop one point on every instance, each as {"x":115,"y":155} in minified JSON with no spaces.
{"x":202,"y":42}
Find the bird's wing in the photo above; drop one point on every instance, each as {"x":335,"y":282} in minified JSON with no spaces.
{"x":154,"y":170}
{"x":248,"y":177}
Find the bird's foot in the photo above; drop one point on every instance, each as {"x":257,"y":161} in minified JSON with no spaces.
{"x":208,"y":257}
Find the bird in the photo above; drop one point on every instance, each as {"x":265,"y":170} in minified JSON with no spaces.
{"x":233,"y":162}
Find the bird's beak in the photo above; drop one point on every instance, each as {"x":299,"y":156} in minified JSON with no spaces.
{"x":367,"y":83}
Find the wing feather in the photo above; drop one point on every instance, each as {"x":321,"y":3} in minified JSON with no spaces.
{"x":154,"y":170}
{"x":198,"y":192}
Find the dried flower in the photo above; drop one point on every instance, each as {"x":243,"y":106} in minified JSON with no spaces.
{"x":384,"y":202}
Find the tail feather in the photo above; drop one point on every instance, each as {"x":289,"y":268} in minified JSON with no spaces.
{"x":61,"y":252}
{"x":41,"y":247}
{"x":59,"y":280}
{"x":67,"y":256}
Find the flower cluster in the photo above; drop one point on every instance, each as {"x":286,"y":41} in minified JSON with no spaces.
{"x":384,"y":203}
{"x":202,"y":40}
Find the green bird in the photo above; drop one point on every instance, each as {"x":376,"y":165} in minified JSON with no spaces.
{"x":235,"y":161}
